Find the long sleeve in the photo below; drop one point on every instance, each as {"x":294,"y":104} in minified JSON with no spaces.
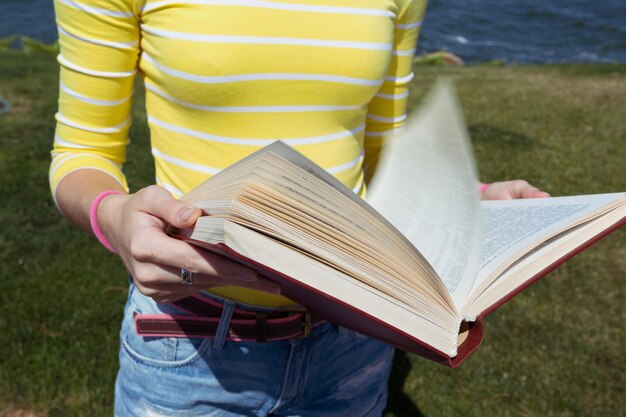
{"x":99,"y":42}
{"x":387,"y":110}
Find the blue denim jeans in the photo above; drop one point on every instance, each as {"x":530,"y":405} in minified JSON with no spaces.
{"x":332,"y":372}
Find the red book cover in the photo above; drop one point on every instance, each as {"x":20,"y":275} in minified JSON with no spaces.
{"x":343,"y":314}
{"x":364,"y":322}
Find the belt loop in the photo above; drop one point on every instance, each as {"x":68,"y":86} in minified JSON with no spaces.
{"x":224,"y":324}
{"x":306,"y":325}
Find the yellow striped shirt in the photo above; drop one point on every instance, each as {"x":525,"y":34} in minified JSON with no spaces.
{"x":226,"y":77}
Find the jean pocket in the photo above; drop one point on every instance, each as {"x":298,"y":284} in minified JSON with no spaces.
{"x":162,"y":352}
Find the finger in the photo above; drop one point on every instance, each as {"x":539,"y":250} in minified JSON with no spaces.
{"x":166,"y":278}
{"x":250,"y":280}
{"x":526,"y":190}
{"x":499,"y":191}
{"x":167,"y":295}
{"x":496,"y":191}
{"x":155,"y":247}
{"x":159,"y":202}
{"x":517,"y":188}
{"x":164,"y":285}
{"x":534,"y":192}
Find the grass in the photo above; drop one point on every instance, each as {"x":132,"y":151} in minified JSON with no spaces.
{"x":556,"y":350}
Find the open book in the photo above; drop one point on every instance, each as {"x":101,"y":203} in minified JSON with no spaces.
{"x":422,"y":261}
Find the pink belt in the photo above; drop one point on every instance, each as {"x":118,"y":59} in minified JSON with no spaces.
{"x":243,"y":325}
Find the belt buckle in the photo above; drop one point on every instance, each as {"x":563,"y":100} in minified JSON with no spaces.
{"x":306,"y":326}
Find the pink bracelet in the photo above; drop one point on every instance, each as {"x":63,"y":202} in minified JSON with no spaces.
{"x":93,"y":219}
{"x":484,"y":187}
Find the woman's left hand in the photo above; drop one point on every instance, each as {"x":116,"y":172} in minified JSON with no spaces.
{"x":509,"y":190}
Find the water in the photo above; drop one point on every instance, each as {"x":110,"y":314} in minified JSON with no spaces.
{"x":34,"y":18}
{"x":529,"y":31}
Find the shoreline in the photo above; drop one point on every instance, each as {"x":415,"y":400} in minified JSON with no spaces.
{"x":19,"y":42}
{"x":23,"y":45}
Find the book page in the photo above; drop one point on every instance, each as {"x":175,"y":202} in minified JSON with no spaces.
{"x":280,"y":191}
{"x":426,"y":186}
{"x":342,"y":233}
{"x":232,"y":180}
{"x":438,"y":332}
{"x":549,"y":252}
{"x":511,"y":226}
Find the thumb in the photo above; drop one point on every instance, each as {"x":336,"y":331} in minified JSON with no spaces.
{"x":182,"y":215}
{"x":177,"y":213}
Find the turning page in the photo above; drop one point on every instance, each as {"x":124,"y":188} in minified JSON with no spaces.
{"x":426,"y":186}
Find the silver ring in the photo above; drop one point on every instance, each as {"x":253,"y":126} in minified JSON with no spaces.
{"x":186,"y":276}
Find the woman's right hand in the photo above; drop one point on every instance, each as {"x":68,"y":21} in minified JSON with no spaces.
{"x":135,"y":225}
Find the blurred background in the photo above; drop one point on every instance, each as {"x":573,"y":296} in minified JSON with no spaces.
{"x":512,"y":31}
{"x":544,"y":95}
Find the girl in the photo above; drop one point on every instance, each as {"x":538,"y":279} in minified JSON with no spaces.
{"x":224,"y":78}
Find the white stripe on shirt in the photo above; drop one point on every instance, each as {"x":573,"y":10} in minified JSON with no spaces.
{"x":66,"y":144}
{"x":96,"y":10}
{"x":403,"y":53}
{"x":69,"y":144}
{"x":386,"y":119}
{"x":405,"y":26}
{"x":90,"y":100}
{"x":113,"y":129}
{"x":393,"y":96}
{"x":212,"y":170}
{"x":109,"y":74}
{"x":255,"y":141}
{"x":62,"y":158}
{"x":236,"y":78}
{"x":275,"y":6}
{"x":118,"y":45}
{"x":400,"y":80}
{"x":169,"y":187}
{"x":249,"y":109}
{"x":265,"y":40}
{"x":345,"y":166}
{"x":185,"y":164}
{"x":389,"y":132}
